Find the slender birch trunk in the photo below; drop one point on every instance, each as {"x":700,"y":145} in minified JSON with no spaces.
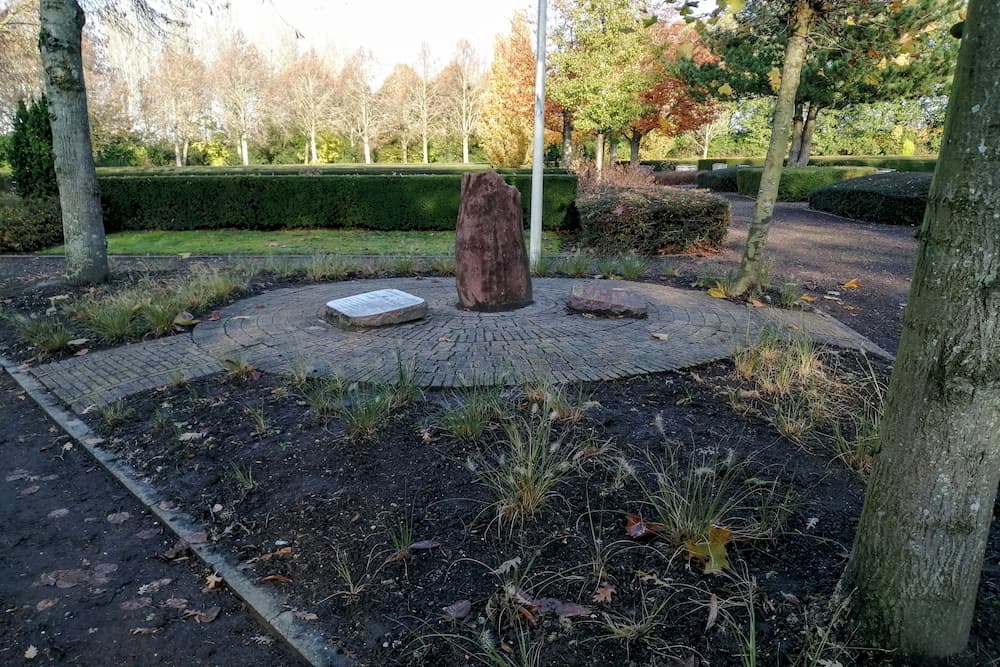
{"x":918,"y":555}
{"x":599,"y":157}
{"x":805,"y":150}
{"x":59,"y":42}
{"x":567,"y":138}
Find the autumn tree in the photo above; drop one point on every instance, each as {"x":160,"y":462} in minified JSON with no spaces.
{"x":176,"y":99}
{"x":397,"y":97}
{"x":506,"y":126}
{"x":363,"y":116}
{"x":460,"y":85}
{"x":306,"y":95}
{"x":919,"y":550}
{"x":241,"y":76}
{"x":20,"y":67}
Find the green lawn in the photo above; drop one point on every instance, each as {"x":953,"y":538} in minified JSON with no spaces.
{"x":291,"y":241}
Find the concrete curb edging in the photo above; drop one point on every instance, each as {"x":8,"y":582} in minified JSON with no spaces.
{"x":269,"y":608}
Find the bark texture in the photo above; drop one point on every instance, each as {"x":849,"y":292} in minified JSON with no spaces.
{"x":752,"y":262}
{"x":59,"y":42}
{"x":919,"y":550}
{"x":567,"y":138}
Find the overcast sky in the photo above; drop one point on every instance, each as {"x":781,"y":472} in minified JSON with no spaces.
{"x":392,"y":29}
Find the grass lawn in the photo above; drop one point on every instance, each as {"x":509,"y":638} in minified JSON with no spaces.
{"x":292,"y":241}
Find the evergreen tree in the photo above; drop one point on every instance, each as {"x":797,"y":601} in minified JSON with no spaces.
{"x":30,"y":153}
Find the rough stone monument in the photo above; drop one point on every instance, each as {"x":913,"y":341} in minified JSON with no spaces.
{"x":607,"y":301}
{"x":375,"y":309}
{"x":491,"y":263}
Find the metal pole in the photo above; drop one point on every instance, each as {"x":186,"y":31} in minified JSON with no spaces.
{"x":538,"y":156}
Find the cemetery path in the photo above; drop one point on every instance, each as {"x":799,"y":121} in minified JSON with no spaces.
{"x":281,"y":330}
{"x":81,"y":579}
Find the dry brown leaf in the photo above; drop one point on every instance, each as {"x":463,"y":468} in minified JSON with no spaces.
{"x":604,"y":593}
{"x":59,"y":513}
{"x":47,"y":603}
{"x":213,"y":582}
{"x":30,"y":490}
{"x":274,"y":579}
{"x":305,"y":615}
{"x":119,"y":518}
{"x":713,"y":612}
{"x":456,"y":611}
{"x":175,"y":603}
{"x":852,"y":284}
{"x":154,"y":586}
{"x":31,"y":653}
{"x":206,"y":616}
{"x":149,"y":533}
{"x":137,"y":603}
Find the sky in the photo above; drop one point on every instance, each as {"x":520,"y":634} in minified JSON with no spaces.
{"x":392,"y":29}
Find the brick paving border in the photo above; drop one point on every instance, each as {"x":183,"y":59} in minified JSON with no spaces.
{"x":282,"y":330}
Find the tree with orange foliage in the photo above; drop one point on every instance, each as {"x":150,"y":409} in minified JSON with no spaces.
{"x":505,"y":129}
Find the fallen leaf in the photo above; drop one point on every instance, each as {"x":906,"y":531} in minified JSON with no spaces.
{"x":216,"y":314}
{"x":77,"y":342}
{"x":456,"y":611}
{"x":661,"y":336}
{"x":185,"y":319}
{"x":144,"y":631}
{"x":213,"y":582}
{"x":149,"y":533}
{"x":717,"y":293}
{"x":713,"y":612}
{"x":808,"y":298}
{"x":137,"y":603}
{"x":47,"y":603}
{"x":206,"y":616}
{"x":167,"y":505}
{"x":191,"y":435}
{"x":637,"y":529}
{"x":30,"y":490}
{"x":424,"y":545}
{"x":31,"y":653}
{"x":604,"y":593}
{"x":119,"y":518}
{"x":852,"y":284}
{"x":274,"y":579}
{"x":757,"y":303}
{"x":846,"y":307}
{"x":262,"y":640}
{"x":18,"y":475}
{"x":305,"y":615}
{"x":711,"y":551}
{"x":59,"y":513}
{"x":154,"y":586}
{"x":277,"y":553}
{"x":175,"y":603}
{"x":80,"y":353}
{"x":93,"y":441}
{"x":564,"y":609}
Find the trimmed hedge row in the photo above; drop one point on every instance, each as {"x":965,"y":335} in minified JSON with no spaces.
{"x":705,"y":164}
{"x":29,"y":224}
{"x":897,"y":198}
{"x":719,"y":180}
{"x":418,"y":202}
{"x":897,"y":162}
{"x":311,"y":170}
{"x":797,"y":183}
{"x":667,"y":165}
{"x":651,"y":220}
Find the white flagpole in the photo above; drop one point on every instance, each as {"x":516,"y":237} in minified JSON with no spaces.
{"x":538,"y":159}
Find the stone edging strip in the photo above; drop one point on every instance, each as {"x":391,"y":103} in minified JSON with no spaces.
{"x":268,"y":607}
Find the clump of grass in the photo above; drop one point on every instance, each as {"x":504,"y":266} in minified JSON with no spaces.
{"x":325,"y":396}
{"x":285,"y":268}
{"x":633,"y":267}
{"x":115,"y":414}
{"x":363,"y":411}
{"x":353,"y":580}
{"x":644,"y":625}
{"x":49,"y":335}
{"x":576,"y":265}
{"x":442,"y":266}
{"x":327,"y":267}
{"x":261,"y":426}
{"x":475,"y":411}
{"x":524,"y":474}
{"x":543,"y":266}
{"x":159,"y":315}
{"x":789,"y":295}
{"x":240,"y":369}
{"x":399,"y":530}
{"x":115,"y":318}
{"x":403,"y":266}
{"x":406,"y":389}
{"x":205,"y":287}
{"x":608,"y":267}
{"x":243,"y":477}
{"x":552,"y":401}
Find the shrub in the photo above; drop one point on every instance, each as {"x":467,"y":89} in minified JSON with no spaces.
{"x":897,"y":198}
{"x":667,"y":165}
{"x":388,"y":202}
{"x":796,"y":184}
{"x":897,"y":162}
{"x":719,"y":180}
{"x":651,"y":220}
{"x":27,"y":225}
{"x":675,"y":177}
{"x":30,"y":153}
{"x":705,"y":164}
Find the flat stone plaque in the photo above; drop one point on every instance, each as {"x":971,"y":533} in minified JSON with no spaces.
{"x":607,"y":301}
{"x":375,"y":309}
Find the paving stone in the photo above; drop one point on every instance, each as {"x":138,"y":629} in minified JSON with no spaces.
{"x":606,"y":301}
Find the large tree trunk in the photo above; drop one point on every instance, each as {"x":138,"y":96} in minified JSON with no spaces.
{"x":59,"y":41}
{"x":805,"y":148}
{"x":798,"y":124}
{"x":599,"y":156}
{"x":919,"y":549}
{"x":567,"y":138}
{"x":795,"y":52}
{"x":634,"y":142}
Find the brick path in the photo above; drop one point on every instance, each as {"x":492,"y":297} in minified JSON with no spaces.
{"x":282,"y":329}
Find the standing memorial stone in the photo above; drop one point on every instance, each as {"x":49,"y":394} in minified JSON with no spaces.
{"x":491,"y":263}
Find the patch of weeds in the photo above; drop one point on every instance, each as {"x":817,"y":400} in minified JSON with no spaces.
{"x":300,"y":372}
{"x":363,"y":411}
{"x":576,"y":265}
{"x":241,"y":370}
{"x":114,"y":319}
{"x":285,"y":268}
{"x":403,"y":266}
{"x":405,"y":390}
{"x":261,"y":426}
{"x":49,"y":335}
{"x":608,"y":267}
{"x":668,"y":270}
{"x":161,"y":421}
{"x":243,"y":477}
{"x":399,"y":530}
{"x":789,"y":295}
{"x":325,"y":396}
{"x":644,"y":625}
{"x":738,"y":614}
{"x":354,"y":580}
{"x":551,"y":400}
{"x":327,"y":267}
{"x":442,"y":266}
{"x":475,"y":411}
{"x":206,"y":287}
{"x":115,"y":414}
{"x":543,"y":266}
{"x":633,"y":267}
{"x":160,"y":315}
{"x":523,"y":476}
{"x":483,"y":648}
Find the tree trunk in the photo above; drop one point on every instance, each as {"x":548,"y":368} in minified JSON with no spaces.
{"x":708,"y":140}
{"x":427,"y":153}
{"x":567,"y":138}
{"x":367,"y":150}
{"x":314,"y":154}
{"x":634,"y":141}
{"x":244,"y":150}
{"x":178,"y":157}
{"x":405,"y":144}
{"x":805,"y":149}
{"x":613,"y":150}
{"x":465,"y":149}
{"x":599,"y":157}
{"x":795,"y":52}
{"x":921,"y":539}
{"x":59,"y":42}
{"x":184,"y":150}
{"x":798,"y":124}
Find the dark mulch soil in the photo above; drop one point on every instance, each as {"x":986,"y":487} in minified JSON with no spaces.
{"x":76,"y":550}
{"x":317,"y":499}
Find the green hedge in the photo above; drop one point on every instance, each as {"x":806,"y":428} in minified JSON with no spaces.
{"x":667,"y":165}
{"x":312,"y":170}
{"x":651,"y":220}
{"x":796,"y":184}
{"x":897,"y":162}
{"x":705,"y":164}
{"x":719,"y":180}
{"x":417,"y":202}
{"x":29,"y":224}
{"x":896,"y":198}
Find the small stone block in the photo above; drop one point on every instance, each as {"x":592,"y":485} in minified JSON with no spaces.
{"x":607,"y":301}
{"x":375,"y":309}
